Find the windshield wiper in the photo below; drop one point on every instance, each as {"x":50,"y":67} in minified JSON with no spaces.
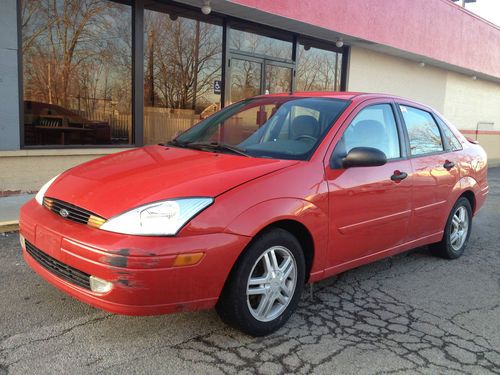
{"x":176,"y":143}
{"x":215,"y":146}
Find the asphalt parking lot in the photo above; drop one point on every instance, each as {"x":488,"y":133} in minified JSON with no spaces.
{"x":412,"y":313}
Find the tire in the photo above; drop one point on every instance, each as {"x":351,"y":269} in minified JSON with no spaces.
{"x":256,"y":273}
{"x":453,"y":245}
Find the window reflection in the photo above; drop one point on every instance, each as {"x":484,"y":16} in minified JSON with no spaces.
{"x":318,"y":69}
{"x":283,"y":127}
{"x":76,"y":72}
{"x":259,"y":44}
{"x":278,"y":79}
{"x":453,"y":142}
{"x":423,"y":132}
{"x":245,"y":79}
{"x":182,"y":62}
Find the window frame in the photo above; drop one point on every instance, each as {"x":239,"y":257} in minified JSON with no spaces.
{"x":405,"y":129}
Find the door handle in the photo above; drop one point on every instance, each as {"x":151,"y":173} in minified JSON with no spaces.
{"x":448,"y":164}
{"x":399,"y":176}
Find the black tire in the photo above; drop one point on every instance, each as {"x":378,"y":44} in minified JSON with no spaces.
{"x":446,"y":248}
{"x":235,"y":308}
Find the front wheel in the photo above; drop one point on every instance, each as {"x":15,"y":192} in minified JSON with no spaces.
{"x":265,"y":286}
{"x":457,"y":231}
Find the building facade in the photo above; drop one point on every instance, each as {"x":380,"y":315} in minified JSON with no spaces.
{"x":80,"y":78}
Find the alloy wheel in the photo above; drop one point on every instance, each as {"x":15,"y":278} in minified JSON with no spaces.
{"x":271,"y":283}
{"x":459,"y":228}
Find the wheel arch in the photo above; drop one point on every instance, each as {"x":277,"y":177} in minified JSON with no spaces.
{"x":296,"y":229}
{"x":469,"y":195}
{"x":469,"y":188}
{"x":302,"y":234}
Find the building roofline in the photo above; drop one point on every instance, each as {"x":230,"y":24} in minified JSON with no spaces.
{"x":441,"y":33}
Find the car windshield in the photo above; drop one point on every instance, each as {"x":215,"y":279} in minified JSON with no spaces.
{"x":268,"y":127}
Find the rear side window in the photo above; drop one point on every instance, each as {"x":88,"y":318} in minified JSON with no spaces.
{"x":423,"y":132}
{"x":374,"y":126}
{"x":452,"y":141}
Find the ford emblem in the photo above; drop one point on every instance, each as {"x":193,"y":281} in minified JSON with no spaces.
{"x":64,"y":212}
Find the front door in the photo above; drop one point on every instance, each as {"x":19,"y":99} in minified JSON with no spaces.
{"x":253,"y":75}
{"x":246,"y":79}
{"x":370,"y":207}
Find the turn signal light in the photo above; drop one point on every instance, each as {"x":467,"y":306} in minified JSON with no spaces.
{"x":95,"y":221}
{"x":187,"y":259}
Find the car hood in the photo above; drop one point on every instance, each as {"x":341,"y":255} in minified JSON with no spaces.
{"x":113,"y":184}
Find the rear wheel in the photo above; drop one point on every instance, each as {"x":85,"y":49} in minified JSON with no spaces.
{"x":457,"y":231}
{"x":265,"y":286}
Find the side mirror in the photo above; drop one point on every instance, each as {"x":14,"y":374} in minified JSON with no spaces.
{"x":364,"y":157}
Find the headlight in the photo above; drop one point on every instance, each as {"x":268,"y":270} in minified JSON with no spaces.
{"x":39,"y":196}
{"x":163,"y":218}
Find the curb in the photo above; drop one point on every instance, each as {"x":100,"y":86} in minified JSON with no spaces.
{"x":9,"y":226}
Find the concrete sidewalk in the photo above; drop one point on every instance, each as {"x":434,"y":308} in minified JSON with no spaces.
{"x":9,"y":211}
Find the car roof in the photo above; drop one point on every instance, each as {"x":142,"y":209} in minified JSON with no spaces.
{"x":329,"y":94}
{"x":345,"y":95}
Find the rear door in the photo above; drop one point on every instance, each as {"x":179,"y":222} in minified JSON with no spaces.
{"x":370,"y":207}
{"x":435,"y":170}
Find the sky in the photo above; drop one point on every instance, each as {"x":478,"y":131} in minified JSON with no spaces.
{"x":488,"y":9}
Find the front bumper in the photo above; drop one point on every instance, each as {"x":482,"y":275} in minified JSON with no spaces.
{"x":145,"y":282}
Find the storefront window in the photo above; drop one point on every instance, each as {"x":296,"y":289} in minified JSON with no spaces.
{"x":259,"y":64}
{"x":278,"y":79}
{"x":182,"y":72}
{"x":318,"y":69}
{"x":245,"y":79}
{"x":259,"y":44}
{"x":76,"y":72}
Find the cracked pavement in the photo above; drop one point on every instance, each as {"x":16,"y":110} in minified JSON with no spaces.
{"x":412,"y":313}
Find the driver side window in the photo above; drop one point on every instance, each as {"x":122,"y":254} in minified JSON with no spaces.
{"x":375,"y":127}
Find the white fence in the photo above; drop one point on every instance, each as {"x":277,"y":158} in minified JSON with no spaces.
{"x":160,"y":124}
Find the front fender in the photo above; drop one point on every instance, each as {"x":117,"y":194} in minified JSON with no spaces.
{"x":256,"y":218}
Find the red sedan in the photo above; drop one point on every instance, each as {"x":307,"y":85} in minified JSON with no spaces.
{"x":243,"y":209}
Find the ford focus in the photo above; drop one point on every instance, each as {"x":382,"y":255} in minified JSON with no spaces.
{"x":242,"y":210}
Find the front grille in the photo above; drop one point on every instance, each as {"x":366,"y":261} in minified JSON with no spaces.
{"x":59,"y":269}
{"x":71,"y":212}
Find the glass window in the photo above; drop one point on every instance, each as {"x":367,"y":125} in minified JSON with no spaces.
{"x":318,"y":69}
{"x":245,"y":79}
{"x":270,"y":127}
{"x":423,"y":132}
{"x":375,"y":127}
{"x":259,"y":44}
{"x":452,"y":141}
{"x":182,"y":72}
{"x":76,"y":72}
{"x":278,"y":79}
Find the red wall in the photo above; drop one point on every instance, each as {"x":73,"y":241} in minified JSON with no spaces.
{"x":437,"y":29}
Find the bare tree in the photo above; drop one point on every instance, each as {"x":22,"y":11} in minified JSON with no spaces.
{"x":183,"y":57}
{"x":318,"y":70}
{"x":67,"y":44}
